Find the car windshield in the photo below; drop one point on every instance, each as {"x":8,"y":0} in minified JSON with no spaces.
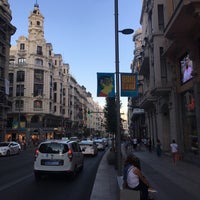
{"x":54,"y":148}
{"x":4,"y":144}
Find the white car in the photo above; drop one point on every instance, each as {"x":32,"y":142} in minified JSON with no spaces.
{"x":58,"y":156}
{"x":9,"y":148}
{"x":88,"y":147}
{"x":100,"y":144}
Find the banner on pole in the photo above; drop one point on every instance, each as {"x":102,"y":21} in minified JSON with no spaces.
{"x":105,"y":85}
{"x":129,"y":84}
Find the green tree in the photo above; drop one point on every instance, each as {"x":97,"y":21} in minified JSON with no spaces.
{"x":110,"y":115}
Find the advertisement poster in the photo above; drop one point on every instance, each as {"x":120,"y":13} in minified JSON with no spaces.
{"x":105,"y":85}
{"x":129,"y":85}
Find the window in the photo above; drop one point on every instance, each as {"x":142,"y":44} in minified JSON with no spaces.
{"x":53,"y":148}
{"x":10,"y":91}
{"x":38,"y":76}
{"x":21,"y":60}
{"x":20,"y":76}
{"x":39,"y":62}
{"x":38,"y":90}
{"x":55,"y":86}
{"x":39,"y":50}
{"x":20,"y":90}
{"x":163,"y":66}
{"x":11,"y":77}
{"x":11,"y":62}
{"x":55,"y":98}
{"x":38,"y":23}
{"x":1,"y":72}
{"x":50,"y":65}
{"x":19,"y":104}
{"x":37,"y":104}
{"x":22,"y":46}
{"x":160,"y":17}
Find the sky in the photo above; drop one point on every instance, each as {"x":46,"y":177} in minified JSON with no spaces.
{"x":83,"y":32}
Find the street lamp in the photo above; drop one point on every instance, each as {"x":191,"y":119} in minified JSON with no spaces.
{"x":118,"y":141}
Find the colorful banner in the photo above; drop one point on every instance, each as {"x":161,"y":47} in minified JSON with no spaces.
{"x":15,"y":125}
{"x":129,"y":85}
{"x":105,"y":85}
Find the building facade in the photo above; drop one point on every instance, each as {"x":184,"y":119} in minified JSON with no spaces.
{"x":6,"y":31}
{"x":47,"y":102}
{"x":169,"y":66}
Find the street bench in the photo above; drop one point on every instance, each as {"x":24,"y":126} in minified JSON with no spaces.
{"x":126,"y":194}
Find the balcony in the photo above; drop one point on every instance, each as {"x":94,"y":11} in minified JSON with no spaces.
{"x":185,"y":20}
{"x":162,"y":89}
{"x":147,"y":100}
{"x":22,"y":53}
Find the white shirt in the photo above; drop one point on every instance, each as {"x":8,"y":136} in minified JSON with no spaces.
{"x":132,"y":179}
{"x":174,"y":147}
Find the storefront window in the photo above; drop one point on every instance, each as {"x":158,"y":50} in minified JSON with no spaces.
{"x":189,"y":122}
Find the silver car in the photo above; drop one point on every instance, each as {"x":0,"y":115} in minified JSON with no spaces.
{"x":9,"y":148}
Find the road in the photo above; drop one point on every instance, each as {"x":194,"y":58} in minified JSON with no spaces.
{"x":17,"y":180}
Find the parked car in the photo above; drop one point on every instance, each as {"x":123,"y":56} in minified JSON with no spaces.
{"x":100,"y":144}
{"x":88,"y":147}
{"x":9,"y":148}
{"x":58,"y":156}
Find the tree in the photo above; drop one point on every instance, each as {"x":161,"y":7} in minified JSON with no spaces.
{"x":110,"y":115}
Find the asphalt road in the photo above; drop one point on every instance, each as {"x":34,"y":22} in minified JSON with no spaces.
{"x":17,"y":180}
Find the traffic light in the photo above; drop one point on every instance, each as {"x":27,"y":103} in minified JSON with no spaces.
{"x":88,"y":112}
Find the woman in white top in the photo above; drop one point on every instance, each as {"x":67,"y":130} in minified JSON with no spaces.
{"x":134,"y":178}
{"x":174,"y":150}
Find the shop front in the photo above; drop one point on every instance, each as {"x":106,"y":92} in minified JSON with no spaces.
{"x":190,"y":135}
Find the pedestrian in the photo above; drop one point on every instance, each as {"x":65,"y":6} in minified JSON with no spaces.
{"x":133,"y":177}
{"x":135,"y":143}
{"x":149,"y":144}
{"x":174,"y":151}
{"x":158,"y":148}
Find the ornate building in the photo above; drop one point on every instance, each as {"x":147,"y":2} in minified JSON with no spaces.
{"x":47,"y":102}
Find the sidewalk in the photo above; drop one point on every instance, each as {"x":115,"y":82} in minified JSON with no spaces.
{"x":184,"y":175}
{"x":105,"y":186}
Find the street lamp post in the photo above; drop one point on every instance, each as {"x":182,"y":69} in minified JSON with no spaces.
{"x":117,"y":97}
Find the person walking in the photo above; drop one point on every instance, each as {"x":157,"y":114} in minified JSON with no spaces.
{"x":174,"y":151}
{"x":134,"y":179}
{"x":149,"y":144}
{"x":158,"y":148}
{"x":135,"y":142}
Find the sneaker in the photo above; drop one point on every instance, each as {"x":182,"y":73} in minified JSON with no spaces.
{"x":152,"y":190}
